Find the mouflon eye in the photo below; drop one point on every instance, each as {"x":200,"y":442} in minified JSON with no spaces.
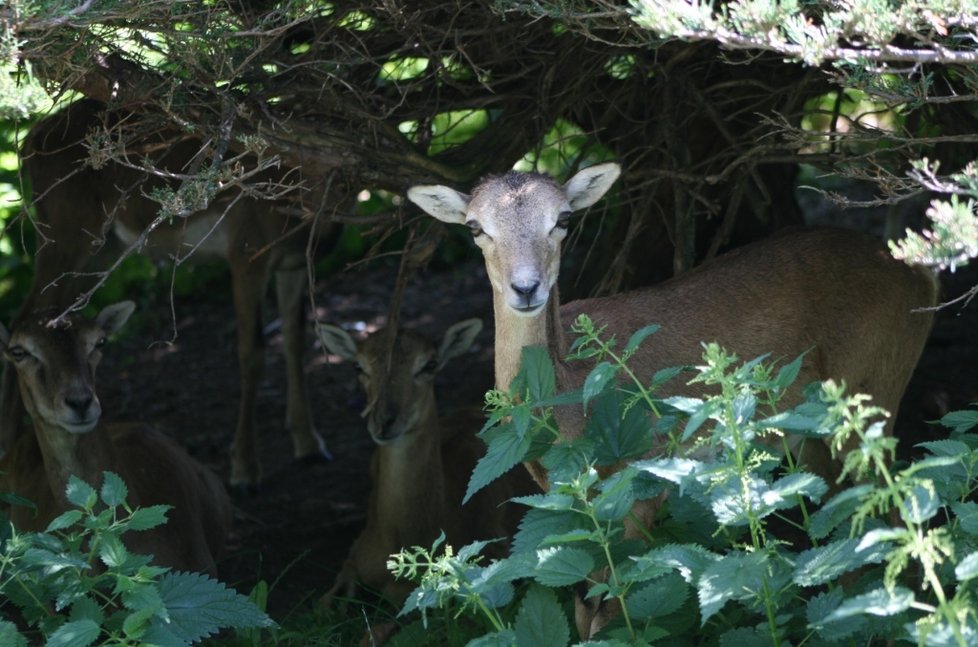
{"x":17,"y":353}
{"x":563,"y":220}
{"x":430,"y":367}
{"x":474,"y":228}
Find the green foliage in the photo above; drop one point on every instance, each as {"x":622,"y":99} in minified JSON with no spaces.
{"x":76,"y":583}
{"x":746,"y":549}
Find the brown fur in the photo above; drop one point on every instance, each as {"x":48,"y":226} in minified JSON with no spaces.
{"x":836,"y":293}
{"x":155,"y":469}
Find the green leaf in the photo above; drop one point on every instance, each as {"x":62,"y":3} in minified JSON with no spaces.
{"x":537,"y":525}
{"x":504,"y":638}
{"x":111,"y":551}
{"x":921,"y":504}
{"x":639,"y":336}
{"x":789,"y":373}
{"x":689,"y":560}
{"x":504,"y":450}
{"x":80,"y":493}
{"x":966,"y":514}
{"x":597,"y":380}
{"x":548,"y":501}
{"x":616,"y":497}
{"x":618,"y":433}
{"x":199,"y":606}
{"x":821,"y":606}
{"x":10,"y":636}
{"x":64,"y":520}
{"x":540,"y":621}
{"x":536,"y":373}
{"x":967,"y":568}
{"x":735,"y":576}
{"x":960,"y":421}
{"x":824,"y":564}
{"x":114,"y":491}
{"x":74,"y":634}
{"x":148,"y":517}
{"x":837,"y":509}
{"x":878,"y":602}
{"x":561,"y":566}
{"x":658,"y":598}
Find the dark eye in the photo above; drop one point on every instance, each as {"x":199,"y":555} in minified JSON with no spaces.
{"x":359,"y":368}
{"x":101,"y":342}
{"x":17,"y":353}
{"x":474,"y":228}
{"x":429,"y":368}
{"x":563,"y":220}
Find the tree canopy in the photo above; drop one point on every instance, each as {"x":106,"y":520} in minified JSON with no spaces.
{"x":710,"y":107}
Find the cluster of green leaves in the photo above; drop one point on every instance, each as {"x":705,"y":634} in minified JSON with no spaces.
{"x":745,"y":550}
{"x":76,"y":584}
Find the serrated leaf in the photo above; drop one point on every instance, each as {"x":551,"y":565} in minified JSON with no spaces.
{"x":504,"y":638}
{"x":74,"y":634}
{"x":148,"y":517}
{"x":618,"y":433}
{"x":80,"y":493}
{"x":537,"y":373}
{"x":10,"y":636}
{"x":821,"y":606}
{"x":199,"y":606}
{"x":824,"y":564}
{"x":921,"y":504}
{"x":960,"y":421}
{"x":966,"y":514}
{"x":689,"y":560}
{"x":744,"y":406}
{"x":967,"y":568}
{"x":674,"y":470}
{"x":597,"y":380}
{"x":789,"y":373}
{"x":111,"y":551}
{"x":742,"y":636}
{"x":85,"y":608}
{"x":639,"y":336}
{"x":540,"y":621}
{"x":547,"y":501}
{"x":879,"y":602}
{"x":663,"y":375}
{"x":64,"y":520}
{"x":562,"y":565}
{"x":836,"y":510}
{"x":504,"y":450}
{"x":658,"y":598}
{"x":114,"y":491}
{"x":616,"y":497}
{"x":735,"y":576}
{"x":537,"y":525}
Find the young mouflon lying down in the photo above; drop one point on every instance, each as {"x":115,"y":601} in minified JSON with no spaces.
{"x":55,"y":365}
{"x":422,"y":462}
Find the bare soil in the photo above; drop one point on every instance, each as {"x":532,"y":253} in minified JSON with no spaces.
{"x":296,"y":530}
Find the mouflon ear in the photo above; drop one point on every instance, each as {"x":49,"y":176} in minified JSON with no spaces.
{"x":589,"y":185}
{"x":115,"y":316}
{"x":458,"y":339}
{"x":337,"y":341}
{"x":441,"y":202}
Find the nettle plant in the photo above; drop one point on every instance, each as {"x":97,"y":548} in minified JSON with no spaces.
{"x":76,"y":584}
{"x":749,"y":549}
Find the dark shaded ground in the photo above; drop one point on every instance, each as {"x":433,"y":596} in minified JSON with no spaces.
{"x":296,"y":531}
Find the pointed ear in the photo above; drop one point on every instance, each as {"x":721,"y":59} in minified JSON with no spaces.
{"x":115,"y":316}
{"x":441,"y":202}
{"x":458,"y":339}
{"x":590,"y":184}
{"x":337,"y":341}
